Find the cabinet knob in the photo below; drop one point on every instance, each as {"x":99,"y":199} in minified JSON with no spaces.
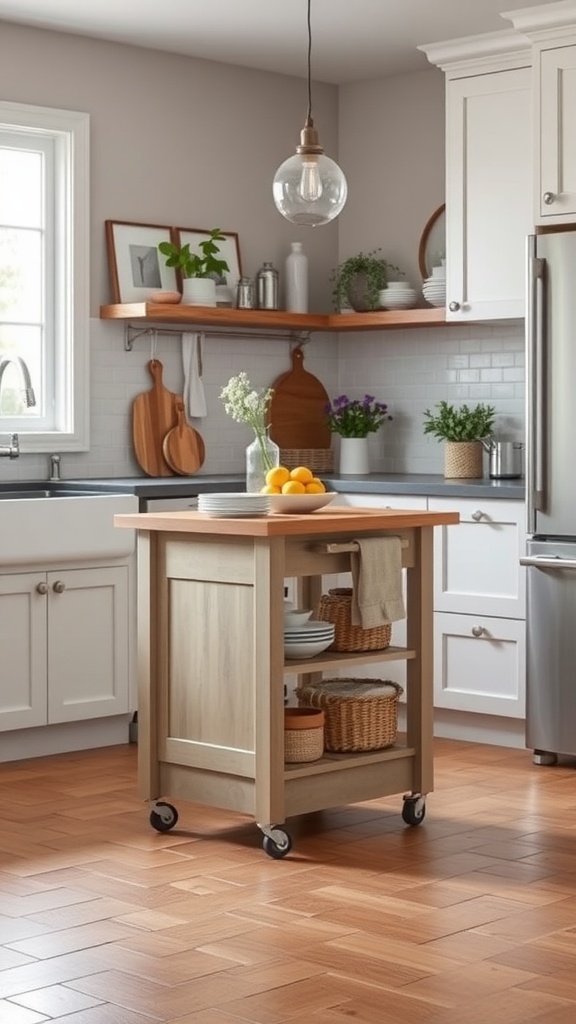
{"x":42,"y":588}
{"x":454,"y":307}
{"x":549,"y":198}
{"x":478,"y":630}
{"x":59,"y":587}
{"x":477,"y":515}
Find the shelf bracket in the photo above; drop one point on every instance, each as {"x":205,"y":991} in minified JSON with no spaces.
{"x":132,"y":332}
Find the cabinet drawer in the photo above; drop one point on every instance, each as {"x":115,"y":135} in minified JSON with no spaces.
{"x":477,"y":563}
{"x":479,"y":664}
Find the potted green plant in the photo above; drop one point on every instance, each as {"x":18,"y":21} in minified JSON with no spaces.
{"x":199,"y":270}
{"x":359,"y":280}
{"x":462,"y":428}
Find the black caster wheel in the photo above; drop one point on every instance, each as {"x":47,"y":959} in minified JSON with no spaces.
{"x":278,"y":846}
{"x":163,"y":817}
{"x":414,"y":810}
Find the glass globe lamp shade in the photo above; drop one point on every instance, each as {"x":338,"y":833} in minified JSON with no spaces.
{"x":309,"y":189}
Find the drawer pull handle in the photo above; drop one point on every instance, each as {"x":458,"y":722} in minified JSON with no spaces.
{"x":59,"y":587}
{"x":42,"y":588}
{"x":478,"y":515}
{"x":478,"y":631}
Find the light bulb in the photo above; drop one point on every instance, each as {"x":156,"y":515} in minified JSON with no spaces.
{"x":310,"y":187}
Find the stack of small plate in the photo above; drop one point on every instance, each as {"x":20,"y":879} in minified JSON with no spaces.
{"x":397,"y":295}
{"x":234,"y":505}
{"x":434,"y":287}
{"x":307,"y":640}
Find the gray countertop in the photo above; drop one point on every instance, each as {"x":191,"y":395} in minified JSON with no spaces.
{"x":428,"y":484}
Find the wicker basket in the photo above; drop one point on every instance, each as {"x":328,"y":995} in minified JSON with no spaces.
{"x":360,"y":714}
{"x":319,"y":460}
{"x":336,"y":607}
{"x":303,"y":734}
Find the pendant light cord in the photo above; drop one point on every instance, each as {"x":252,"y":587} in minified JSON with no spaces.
{"x":309,"y":63}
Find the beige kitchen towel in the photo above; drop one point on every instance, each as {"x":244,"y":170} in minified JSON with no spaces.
{"x":377,"y":582}
{"x":194,"y":397}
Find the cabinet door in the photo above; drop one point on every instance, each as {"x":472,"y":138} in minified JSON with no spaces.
{"x":88,"y":643}
{"x":488,"y":194}
{"x":480,"y":664}
{"x":556,"y":170}
{"x":477,"y":563}
{"x":23,"y":633}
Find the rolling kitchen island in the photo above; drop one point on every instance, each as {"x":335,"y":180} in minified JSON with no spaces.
{"x":211,"y":663}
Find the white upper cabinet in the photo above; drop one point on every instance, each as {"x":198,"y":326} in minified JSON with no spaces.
{"x":552,"y":31}
{"x":488,"y":173}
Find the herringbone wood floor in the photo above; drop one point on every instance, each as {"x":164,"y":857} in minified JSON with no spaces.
{"x":469,"y":918}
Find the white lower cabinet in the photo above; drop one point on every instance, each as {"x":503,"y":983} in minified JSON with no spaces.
{"x":479,"y":664}
{"x":65,"y":640}
{"x":480,"y":608}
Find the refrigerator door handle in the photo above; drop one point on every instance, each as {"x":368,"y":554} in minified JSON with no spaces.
{"x":535,"y":415}
{"x":546,"y":562}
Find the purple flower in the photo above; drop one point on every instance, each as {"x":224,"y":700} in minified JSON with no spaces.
{"x":355,"y":417}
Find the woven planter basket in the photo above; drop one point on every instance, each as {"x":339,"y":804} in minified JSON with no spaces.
{"x":360,"y":714}
{"x":463,"y":460}
{"x":303,"y":734}
{"x":319,"y":460}
{"x":336,"y":607}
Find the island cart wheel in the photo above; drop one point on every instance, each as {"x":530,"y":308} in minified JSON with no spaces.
{"x":414,"y":809}
{"x":163,"y":817}
{"x":276,"y":842}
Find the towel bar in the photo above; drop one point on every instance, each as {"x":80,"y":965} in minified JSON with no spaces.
{"x":336,"y":549}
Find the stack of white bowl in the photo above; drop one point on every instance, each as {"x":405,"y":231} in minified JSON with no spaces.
{"x":434,"y":287}
{"x":304,"y":638}
{"x":397,"y":295}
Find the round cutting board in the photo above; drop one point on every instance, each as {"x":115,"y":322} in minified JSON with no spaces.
{"x":297,"y":411}
{"x":183,"y":447}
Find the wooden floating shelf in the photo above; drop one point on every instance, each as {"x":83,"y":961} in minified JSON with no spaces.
{"x":228,"y":318}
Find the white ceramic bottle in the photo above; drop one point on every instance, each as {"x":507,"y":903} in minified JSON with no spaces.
{"x":296,"y":279}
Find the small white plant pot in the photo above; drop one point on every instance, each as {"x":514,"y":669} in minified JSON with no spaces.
{"x":198,"y":291}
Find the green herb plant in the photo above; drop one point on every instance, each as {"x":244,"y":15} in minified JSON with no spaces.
{"x":372,"y":268}
{"x":203,"y":264}
{"x":451,"y":423}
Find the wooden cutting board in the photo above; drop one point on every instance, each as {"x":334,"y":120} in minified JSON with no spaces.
{"x":183,"y":447}
{"x":153,"y":415}
{"x":296,"y":413}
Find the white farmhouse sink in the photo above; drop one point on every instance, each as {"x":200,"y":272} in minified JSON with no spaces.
{"x":47,"y":528}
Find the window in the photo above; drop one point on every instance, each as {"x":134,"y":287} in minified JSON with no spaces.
{"x":44,"y":284}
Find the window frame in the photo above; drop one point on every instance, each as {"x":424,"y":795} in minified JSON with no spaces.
{"x":70,"y":130}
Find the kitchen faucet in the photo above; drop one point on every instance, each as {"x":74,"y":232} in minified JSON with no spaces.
{"x":29,"y":395}
{"x":12,"y":450}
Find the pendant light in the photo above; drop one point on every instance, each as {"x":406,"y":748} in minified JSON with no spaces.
{"x":309,"y":188}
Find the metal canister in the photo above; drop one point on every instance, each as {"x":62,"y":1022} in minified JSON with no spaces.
{"x":267,"y":286}
{"x":245,"y":293}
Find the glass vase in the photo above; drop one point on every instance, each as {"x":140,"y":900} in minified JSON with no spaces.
{"x":261,"y":455}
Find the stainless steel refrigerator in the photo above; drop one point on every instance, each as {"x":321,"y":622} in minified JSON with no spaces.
{"x":551,"y":496}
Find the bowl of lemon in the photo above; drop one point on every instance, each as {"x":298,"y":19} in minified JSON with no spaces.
{"x":296,"y":491}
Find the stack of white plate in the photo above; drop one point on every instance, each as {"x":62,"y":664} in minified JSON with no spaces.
{"x":234,"y":505}
{"x":307,"y":640}
{"x":434,"y":287}
{"x":397,"y":295}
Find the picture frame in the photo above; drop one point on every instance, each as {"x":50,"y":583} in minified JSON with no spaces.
{"x":137,"y":269}
{"x":229,"y":251}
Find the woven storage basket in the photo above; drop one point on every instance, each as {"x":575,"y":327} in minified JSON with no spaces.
{"x":463,"y":460}
{"x":360,"y":714}
{"x":319,"y":460}
{"x":336,"y":607}
{"x":303,"y":734}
